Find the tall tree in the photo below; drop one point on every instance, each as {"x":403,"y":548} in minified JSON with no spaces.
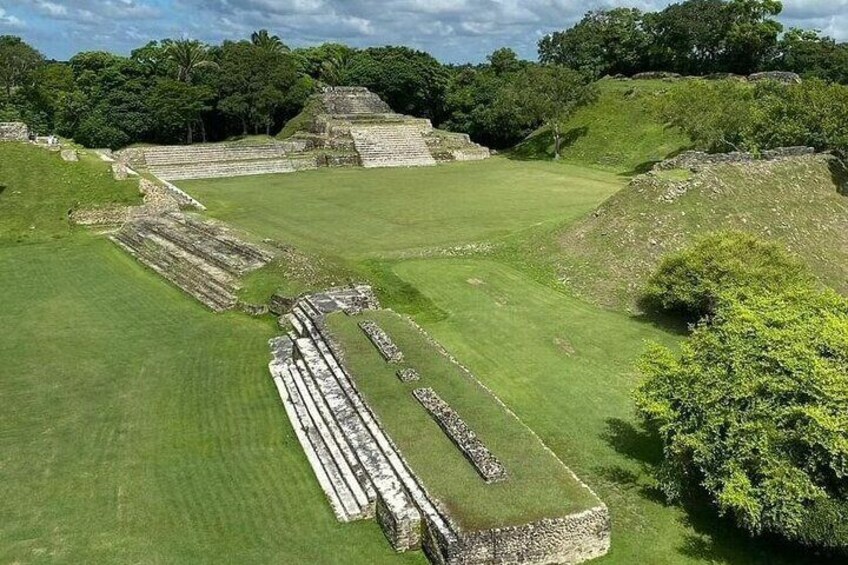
{"x":603,"y":42}
{"x":18,"y":61}
{"x":264,"y":40}
{"x":188,"y":55}
{"x":548,"y":95}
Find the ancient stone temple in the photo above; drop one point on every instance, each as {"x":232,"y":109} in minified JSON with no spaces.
{"x":341,"y":126}
{"x":13,"y":131}
{"x":357,"y":127}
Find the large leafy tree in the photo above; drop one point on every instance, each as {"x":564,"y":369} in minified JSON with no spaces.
{"x":754,"y":410}
{"x":18,"y":62}
{"x":603,"y":42}
{"x":178,"y":106}
{"x":548,"y":95}
{"x":812,"y":55}
{"x":411,"y":81}
{"x":254,"y":83}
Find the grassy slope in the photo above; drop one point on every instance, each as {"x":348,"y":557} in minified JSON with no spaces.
{"x":354,"y":213}
{"x":138,"y":427}
{"x":538,"y":486}
{"x":37,"y":189}
{"x":608,"y":255}
{"x":616,"y":133}
{"x":565,"y":368}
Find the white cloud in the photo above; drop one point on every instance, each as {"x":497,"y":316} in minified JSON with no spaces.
{"x":9,"y":21}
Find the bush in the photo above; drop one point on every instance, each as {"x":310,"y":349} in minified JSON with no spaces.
{"x":755,"y":411}
{"x":691,"y":281}
{"x":95,"y":131}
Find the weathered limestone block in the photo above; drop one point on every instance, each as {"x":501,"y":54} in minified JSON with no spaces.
{"x":14,"y":131}
{"x":408,"y":375}
{"x":119,"y":170}
{"x":70,"y":155}
{"x":777,"y":76}
{"x":571,"y":539}
{"x":654,"y":75}
{"x":465,"y":439}
{"x":382,"y":342}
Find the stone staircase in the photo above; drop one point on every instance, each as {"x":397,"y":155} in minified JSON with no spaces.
{"x":223,"y":169}
{"x":355,"y":462}
{"x":391,"y":146}
{"x":200,"y":257}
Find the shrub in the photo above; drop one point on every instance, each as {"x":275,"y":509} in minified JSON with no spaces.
{"x":95,"y":131}
{"x":755,"y":411}
{"x":723,"y":262}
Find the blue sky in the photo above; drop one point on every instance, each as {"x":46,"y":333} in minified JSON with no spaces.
{"x":453,"y":30}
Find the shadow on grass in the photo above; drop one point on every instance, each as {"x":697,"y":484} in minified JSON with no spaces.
{"x":676,"y":323}
{"x":839,"y":174}
{"x":715,"y":539}
{"x":398,"y":294}
{"x":539,"y":146}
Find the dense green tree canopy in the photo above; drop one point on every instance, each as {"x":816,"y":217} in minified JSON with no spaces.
{"x":18,"y":62}
{"x":754,"y":408}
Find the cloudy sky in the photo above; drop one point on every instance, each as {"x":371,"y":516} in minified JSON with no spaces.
{"x":453,"y":30}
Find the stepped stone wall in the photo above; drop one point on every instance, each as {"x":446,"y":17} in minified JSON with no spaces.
{"x":352,"y":456}
{"x":344,"y":100}
{"x":14,"y":131}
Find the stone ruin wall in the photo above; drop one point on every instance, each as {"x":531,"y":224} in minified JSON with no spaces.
{"x":570,"y":539}
{"x":14,"y":131}
{"x":695,"y":160}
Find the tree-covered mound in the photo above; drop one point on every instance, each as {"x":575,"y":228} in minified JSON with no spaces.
{"x":610,"y":254}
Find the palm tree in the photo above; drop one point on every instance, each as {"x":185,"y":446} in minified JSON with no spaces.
{"x":264,"y":40}
{"x":188,"y":55}
{"x":335,"y":67}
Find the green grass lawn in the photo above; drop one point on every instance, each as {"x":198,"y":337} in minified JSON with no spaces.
{"x":538,"y":486}
{"x":37,"y":189}
{"x":565,"y":368}
{"x":354,"y":213}
{"x":139,"y":428}
{"x":619,"y":132}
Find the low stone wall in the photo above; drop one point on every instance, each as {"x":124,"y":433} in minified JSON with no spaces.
{"x":778,"y":76}
{"x":382,"y":342}
{"x":69,"y":155}
{"x":570,"y":539}
{"x":14,"y":131}
{"x":465,"y":439}
{"x":696,"y":159}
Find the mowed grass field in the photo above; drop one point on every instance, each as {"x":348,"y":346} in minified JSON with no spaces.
{"x":566,"y":368}
{"x":356,"y":213}
{"x":139,"y":428}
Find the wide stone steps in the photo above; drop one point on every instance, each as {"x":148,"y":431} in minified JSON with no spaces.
{"x":174,"y":155}
{"x":216,"y":294}
{"x":306,"y":319}
{"x":223,"y":169}
{"x":234,"y":259}
{"x":253,"y":255}
{"x":391,"y":146}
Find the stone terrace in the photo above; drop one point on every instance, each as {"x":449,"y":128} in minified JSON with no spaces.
{"x":179,"y":162}
{"x":363,"y":473}
{"x":203,"y":258}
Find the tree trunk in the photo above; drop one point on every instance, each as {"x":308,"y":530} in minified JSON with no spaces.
{"x":202,"y":130}
{"x":189,"y":134}
{"x":557,"y":141}
{"x":268,"y":128}
{"x":243,"y":126}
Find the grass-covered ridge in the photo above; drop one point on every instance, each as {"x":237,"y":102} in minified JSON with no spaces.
{"x":38,"y":189}
{"x":608,"y":255}
{"x":538,"y":486}
{"x":619,"y":131}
